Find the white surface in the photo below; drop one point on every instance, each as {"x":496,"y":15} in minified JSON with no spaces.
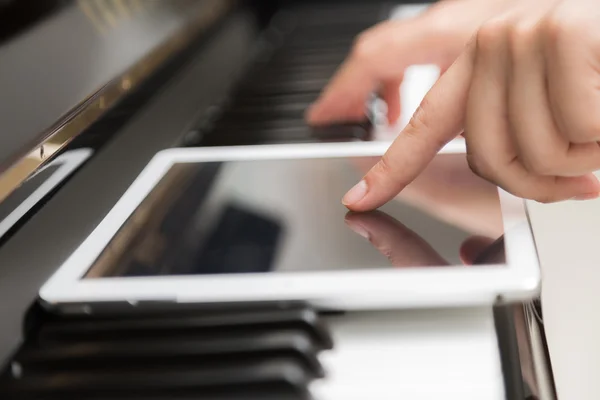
{"x":568,"y":240}
{"x":427,"y":354}
{"x":518,"y":279}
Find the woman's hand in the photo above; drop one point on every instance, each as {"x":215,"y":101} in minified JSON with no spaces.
{"x":381,"y":54}
{"x":448,"y":190}
{"x":526,"y":92}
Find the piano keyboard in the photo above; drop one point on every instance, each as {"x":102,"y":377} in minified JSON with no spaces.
{"x":261,"y":353}
{"x":271,"y":352}
{"x":303,"y":48}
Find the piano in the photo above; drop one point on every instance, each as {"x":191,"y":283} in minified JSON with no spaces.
{"x":91,"y":91}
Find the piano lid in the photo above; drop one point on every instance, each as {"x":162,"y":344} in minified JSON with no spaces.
{"x":62,"y":72}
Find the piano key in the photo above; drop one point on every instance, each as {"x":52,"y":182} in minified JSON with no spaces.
{"x":287,"y":87}
{"x":273,"y":373}
{"x":293,"y":111}
{"x":322,"y":48}
{"x":290,"y":87}
{"x":254,"y":140}
{"x":316,"y":41}
{"x":201,"y":350}
{"x":307,"y":59}
{"x":191,"y":324}
{"x":248,"y":101}
{"x":273,"y":393}
{"x":290,"y":134}
{"x":329,"y":15}
{"x":297,"y":72}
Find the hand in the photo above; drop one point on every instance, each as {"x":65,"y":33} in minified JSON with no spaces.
{"x":403,"y":247}
{"x":448,"y":190}
{"x":381,"y":54}
{"x":526,"y":92}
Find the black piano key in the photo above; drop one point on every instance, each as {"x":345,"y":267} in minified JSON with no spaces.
{"x":281,"y":72}
{"x":288,"y":134}
{"x":322,"y":74}
{"x":231,"y":126}
{"x":253,"y":140}
{"x":310,"y":55}
{"x":330,"y":17}
{"x":254,"y":97}
{"x":316,"y":41}
{"x":273,"y":392}
{"x":239,"y":376}
{"x":277,"y":111}
{"x":274,"y":86}
{"x":320,"y":58}
{"x":321,"y":49}
{"x":250,"y":102}
{"x":184,"y":325}
{"x":198,"y":351}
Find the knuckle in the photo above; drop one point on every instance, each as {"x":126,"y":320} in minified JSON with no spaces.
{"x":560,"y":25}
{"x":363,"y":47}
{"x":540,"y":164}
{"x":420,"y":125}
{"x":489,"y":34}
{"x":521,"y":35}
{"x":385,"y":166}
{"x":367,"y":43}
{"x":420,"y":120}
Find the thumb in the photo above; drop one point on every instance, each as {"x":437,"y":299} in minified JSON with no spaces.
{"x":437,"y":121}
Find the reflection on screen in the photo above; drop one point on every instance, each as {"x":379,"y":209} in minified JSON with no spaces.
{"x":285,"y":215}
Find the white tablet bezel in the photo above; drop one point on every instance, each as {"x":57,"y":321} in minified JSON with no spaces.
{"x":68,"y":162}
{"x":357,"y":289}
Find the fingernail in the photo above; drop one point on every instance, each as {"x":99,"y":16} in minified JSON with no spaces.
{"x":587,"y":196}
{"x":358,"y":228}
{"x":355,"y":194}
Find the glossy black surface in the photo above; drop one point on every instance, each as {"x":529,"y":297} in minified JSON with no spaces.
{"x":275,"y":216}
{"x":56,"y":64}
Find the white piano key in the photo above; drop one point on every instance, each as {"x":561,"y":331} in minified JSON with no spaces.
{"x":441,"y":354}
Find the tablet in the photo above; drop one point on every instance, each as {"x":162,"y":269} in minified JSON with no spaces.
{"x":265,"y":223}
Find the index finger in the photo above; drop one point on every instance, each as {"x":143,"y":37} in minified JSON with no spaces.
{"x":439,"y":118}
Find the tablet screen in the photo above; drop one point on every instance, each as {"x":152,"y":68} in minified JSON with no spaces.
{"x":277,"y":216}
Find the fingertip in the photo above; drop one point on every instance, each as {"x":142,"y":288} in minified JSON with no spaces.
{"x":586,"y":187}
{"x":594,"y":182}
{"x":366,"y":197}
{"x":356,"y":194}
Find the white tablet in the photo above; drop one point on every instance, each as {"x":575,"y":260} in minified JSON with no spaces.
{"x":265,"y":223}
